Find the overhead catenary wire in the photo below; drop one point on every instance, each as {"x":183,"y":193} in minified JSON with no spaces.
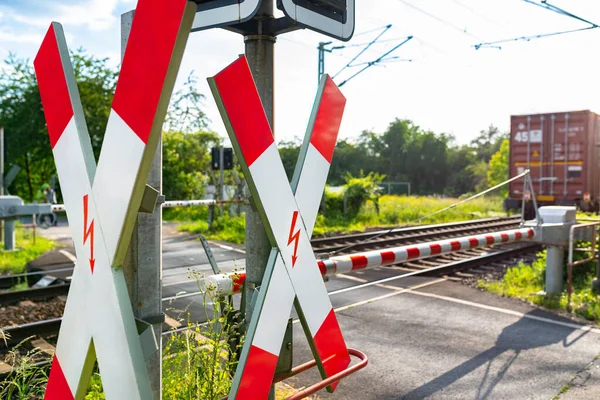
{"x":495,"y":44}
{"x":366,"y":46}
{"x":546,"y":6}
{"x":440,"y":20}
{"x":474,"y":12}
{"x":385,"y":29}
{"x":379,"y":60}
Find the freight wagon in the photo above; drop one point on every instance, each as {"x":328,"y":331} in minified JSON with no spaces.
{"x":560,"y":150}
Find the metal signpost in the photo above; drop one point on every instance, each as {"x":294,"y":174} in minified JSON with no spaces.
{"x":289,"y":218}
{"x":103,"y":201}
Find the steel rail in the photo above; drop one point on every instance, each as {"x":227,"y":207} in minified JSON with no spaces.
{"x":414,"y":235}
{"x":36,"y":293}
{"x":320,"y":245}
{"x":51,"y":327}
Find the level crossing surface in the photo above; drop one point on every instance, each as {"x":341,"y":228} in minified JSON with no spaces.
{"x":425,"y":337}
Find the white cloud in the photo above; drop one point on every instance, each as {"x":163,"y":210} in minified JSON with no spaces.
{"x":7,"y":35}
{"x":96,"y":14}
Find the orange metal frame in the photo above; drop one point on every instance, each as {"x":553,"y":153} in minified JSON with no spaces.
{"x":326,"y":382}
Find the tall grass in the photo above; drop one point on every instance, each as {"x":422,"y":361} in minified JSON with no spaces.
{"x":527,"y":282}
{"x":26,"y":381}
{"x":393,"y":211}
{"x":14,"y":261}
{"x":401,"y":210}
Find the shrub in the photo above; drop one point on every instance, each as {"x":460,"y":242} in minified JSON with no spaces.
{"x":360,"y":190}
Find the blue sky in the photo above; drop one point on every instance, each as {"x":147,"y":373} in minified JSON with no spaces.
{"x":448,"y":87}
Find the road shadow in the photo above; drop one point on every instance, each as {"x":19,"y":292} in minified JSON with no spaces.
{"x":523,"y":335}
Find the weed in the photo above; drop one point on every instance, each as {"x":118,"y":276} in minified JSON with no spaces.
{"x":225,"y":227}
{"x":526,"y":282}
{"x":27,"y":380}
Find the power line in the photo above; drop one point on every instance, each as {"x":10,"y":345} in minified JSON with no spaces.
{"x":495,"y":45}
{"x":378,"y":42}
{"x":377,"y":61}
{"x":370,"y":31}
{"x":440,"y":20}
{"x":547,"y":6}
{"x":387,"y":27}
{"x":328,"y":47}
{"x":461,"y":4}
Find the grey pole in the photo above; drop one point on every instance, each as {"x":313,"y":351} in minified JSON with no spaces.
{"x":9,"y":235}
{"x":259,"y":52}
{"x":260,"y":55}
{"x":1,"y":161}
{"x":221,"y":176}
{"x":555,"y":264}
{"x":2,"y":226}
{"x":143,"y":263}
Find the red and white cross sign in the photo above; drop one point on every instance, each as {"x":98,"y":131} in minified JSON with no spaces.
{"x":103,"y":201}
{"x":289,"y":215}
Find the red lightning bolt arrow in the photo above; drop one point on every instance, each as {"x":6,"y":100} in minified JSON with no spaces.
{"x":87,"y":232}
{"x":294,"y":237}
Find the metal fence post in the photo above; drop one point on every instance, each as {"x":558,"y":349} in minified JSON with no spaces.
{"x":143,"y":263}
{"x":9,"y":234}
{"x":555,"y":265}
{"x":259,"y":53}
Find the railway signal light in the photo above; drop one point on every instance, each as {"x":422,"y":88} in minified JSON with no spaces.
{"x":228,"y":158}
{"x":216,"y":158}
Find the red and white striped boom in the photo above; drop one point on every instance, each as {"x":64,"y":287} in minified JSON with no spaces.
{"x":231,"y":283}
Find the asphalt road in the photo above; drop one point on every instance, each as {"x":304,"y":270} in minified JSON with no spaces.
{"x":426,"y":338}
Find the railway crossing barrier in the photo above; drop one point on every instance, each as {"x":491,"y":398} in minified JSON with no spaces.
{"x":226,"y":284}
{"x":12,"y":207}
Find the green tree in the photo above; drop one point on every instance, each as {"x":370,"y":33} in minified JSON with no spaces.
{"x":488,"y":143}
{"x":348,"y":157}
{"x":461,"y":179}
{"x":289,"y":151}
{"x":186,"y":162}
{"x":479,"y":171}
{"x":185,"y":110}
{"x":22,"y":116}
{"x":498,"y":169}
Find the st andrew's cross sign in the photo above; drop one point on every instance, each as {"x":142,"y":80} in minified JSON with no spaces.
{"x":289,"y":215}
{"x":103,"y":201}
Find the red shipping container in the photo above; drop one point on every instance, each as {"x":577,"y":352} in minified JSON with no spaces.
{"x":560,"y":150}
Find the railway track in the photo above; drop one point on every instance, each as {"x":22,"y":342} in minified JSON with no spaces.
{"x":360,"y":242}
{"x":454,"y":266}
{"x":340,"y":245}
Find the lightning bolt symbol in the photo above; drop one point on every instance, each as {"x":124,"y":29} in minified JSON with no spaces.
{"x":88,"y":232}
{"x":294,"y":237}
